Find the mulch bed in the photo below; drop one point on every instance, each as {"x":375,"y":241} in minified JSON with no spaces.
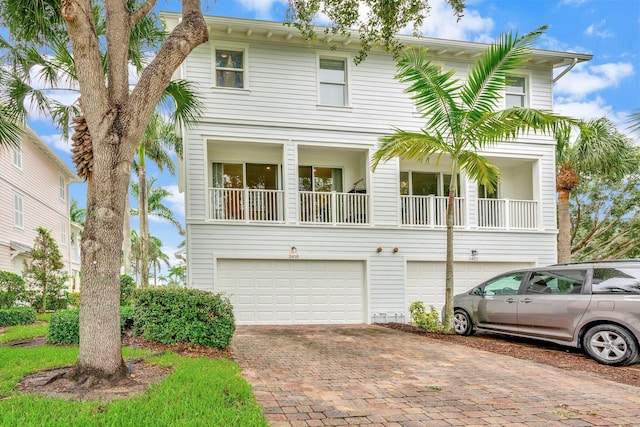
{"x":535,"y":351}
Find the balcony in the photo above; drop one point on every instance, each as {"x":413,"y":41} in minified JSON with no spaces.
{"x":507,"y":214}
{"x":246,"y":205}
{"x":333,"y":208}
{"x":431,"y":211}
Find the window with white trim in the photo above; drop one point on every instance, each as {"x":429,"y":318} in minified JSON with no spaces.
{"x":18,"y":210}
{"x":485,"y":193}
{"x":17,"y":156}
{"x":516,"y":92}
{"x":426,"y":183}
{"x":62,"y":187}
{"x":63,"y":232}
{"x":230,"y":68}
{"x":332,"y":81}
{"x":313,"y":178}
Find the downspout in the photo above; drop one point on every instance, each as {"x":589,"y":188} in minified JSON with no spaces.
{"x":566,"y":70}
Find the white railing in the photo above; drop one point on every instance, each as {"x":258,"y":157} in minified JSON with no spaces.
{"x":246,"y":205}
{"x":507,"y":214}
{"x":333,"y":208}
{"x":431,"y":211}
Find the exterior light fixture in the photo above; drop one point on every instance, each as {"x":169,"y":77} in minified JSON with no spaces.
{"x":395,"y":250}
{"x":474,"y":255}
{"x":379,"y":249}
{"x":293,"y":253}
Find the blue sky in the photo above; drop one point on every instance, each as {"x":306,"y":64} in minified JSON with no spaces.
{"x":608,"y":85}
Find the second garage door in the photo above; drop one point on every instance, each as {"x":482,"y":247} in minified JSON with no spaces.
{"x":273,"y":292}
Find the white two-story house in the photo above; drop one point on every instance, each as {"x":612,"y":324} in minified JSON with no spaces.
{"x":34,"y":192}
{"x":283,"y":211}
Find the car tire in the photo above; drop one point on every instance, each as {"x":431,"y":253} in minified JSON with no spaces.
{"x":611,"y":345}
{"x":462,"y":323}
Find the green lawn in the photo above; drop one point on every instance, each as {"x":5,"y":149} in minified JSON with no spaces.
{"x":199,"y":392}
{"x":22,"y":332}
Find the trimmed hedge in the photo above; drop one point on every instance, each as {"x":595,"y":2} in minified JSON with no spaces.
{"x":17,"y":316}
{"x":170,"y":316}
{"x":64,"y":325}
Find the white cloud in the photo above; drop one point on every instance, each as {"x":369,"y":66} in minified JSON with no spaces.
{"x":587,"y":79}
{"x":176,"y":200}
{"x":58,"y":142}
{"x":261,"y":7}
{"x":442,"y":23}
{"x":598,"y":31}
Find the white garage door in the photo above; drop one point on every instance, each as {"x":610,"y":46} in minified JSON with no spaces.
{"x":283,"y":292}
{"x":425,"y":280}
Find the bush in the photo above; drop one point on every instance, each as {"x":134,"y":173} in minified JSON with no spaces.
{"x":184,"y":315}
{"x":127,"y":285}
{"x":17,"y":316}
{"x":429,"y":322}
{"x":74,"y":299}
{"x":12,"y":289}
{"x":55,"y":301}
{"x":64,"y":325}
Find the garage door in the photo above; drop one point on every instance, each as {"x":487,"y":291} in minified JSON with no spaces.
{"x":283,"y":292}
{"x":425,"y":280}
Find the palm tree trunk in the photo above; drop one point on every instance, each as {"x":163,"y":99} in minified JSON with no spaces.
{"x":447,"y":321}
{"x":126,"y":234}
{"x":144,"y":224}
{"x":564,"y":226}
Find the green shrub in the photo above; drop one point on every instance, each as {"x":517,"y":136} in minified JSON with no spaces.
{"x":64,"y":325}
{"x":184,"y":315}
{"x":12,"y":289}
{"x":74,"y":299}
{"x":429,"y":322}
{"x":127,"y":285}
{"x":17,"y":316}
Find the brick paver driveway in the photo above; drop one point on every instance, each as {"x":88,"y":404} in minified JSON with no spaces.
{"x":369,"y":375}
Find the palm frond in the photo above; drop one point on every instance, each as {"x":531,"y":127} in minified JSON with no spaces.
{"x":479,"y":169}
{"x":487,"y":79}
{"x":417,"y":146}
{"x":634,"y":121}
{"x":182,"y":100}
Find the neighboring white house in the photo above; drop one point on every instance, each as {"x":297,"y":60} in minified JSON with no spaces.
{"x":283,"y":212}
{"x":34,"y":192}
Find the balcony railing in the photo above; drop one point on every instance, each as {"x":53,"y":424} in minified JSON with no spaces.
{"x":431,"y":211}
{"x":333,"y":208}
{"x":507,"y":214}
{"x":246,"y":205}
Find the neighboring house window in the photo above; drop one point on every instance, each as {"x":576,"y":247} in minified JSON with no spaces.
{"x":484,"y":193}
{"x":230,"y":68}
{"x":63,"y":188}
{"x":63,"y":232}
{"x":313,"y":178}
{"x":332,"y":78}
{"x":426,"y":183}
{"x":17,"y":156}
{"x":18,"y":210}
{"x":515,"y":94}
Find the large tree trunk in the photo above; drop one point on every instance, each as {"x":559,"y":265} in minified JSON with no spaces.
{"x":116,"y":118}
{"x":564,"y":226}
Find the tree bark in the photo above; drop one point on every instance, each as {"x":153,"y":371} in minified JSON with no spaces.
{"x":142,"y":216}
{"x":564,"y":226}
{"x":447,"y":320}
{"x":116,"y":120}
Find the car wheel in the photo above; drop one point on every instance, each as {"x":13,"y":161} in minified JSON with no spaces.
{"x":611,"y":345}
{"x":462,"y":323}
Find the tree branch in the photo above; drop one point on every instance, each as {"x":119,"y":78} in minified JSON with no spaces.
{"x":141,"y":12}
{"x":118,"y":32}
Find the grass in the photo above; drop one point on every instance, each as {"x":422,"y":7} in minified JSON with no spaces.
{"x":199,"y":391}
{"x":23,"y":332}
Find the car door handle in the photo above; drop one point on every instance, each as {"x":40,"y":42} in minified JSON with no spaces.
{"x":510,"y":300}
{"x":526,"y":300}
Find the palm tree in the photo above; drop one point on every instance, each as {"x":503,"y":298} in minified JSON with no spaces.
{"x":156,"y":257}
{"x":599,"y":150}
{"x":176,"y":273}
{"x":150,"y":204}
{"x":77,"y":215}
{"x":634,"y":121}
{"x":462,"y":119}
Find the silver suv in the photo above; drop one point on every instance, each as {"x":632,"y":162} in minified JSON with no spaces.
{"x":594,"y":306}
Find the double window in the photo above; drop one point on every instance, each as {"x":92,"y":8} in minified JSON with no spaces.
{"x":516,"y":92}
{"x":426,"y":184}
{"x":230,"y":68}
{"x":332,"y":80}
{"x":245,"y":175}
{"x":485,"y":193}
{"x":312,"y":178}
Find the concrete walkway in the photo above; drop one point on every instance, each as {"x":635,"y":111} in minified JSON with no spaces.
{"x":373,"y":376}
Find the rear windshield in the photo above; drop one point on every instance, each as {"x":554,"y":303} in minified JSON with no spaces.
{"x":621,"y":280}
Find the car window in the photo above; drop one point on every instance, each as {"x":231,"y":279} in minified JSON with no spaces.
{"x":556,"y":282}
{"x":504,"y":285}
{"x":616,"y":280}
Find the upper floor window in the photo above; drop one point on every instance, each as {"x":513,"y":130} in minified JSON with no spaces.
{"x":17,"y":156}
{"x":426,"y":183}
{"x":515,"y":93}
{"x":230,"y":68}
{"x":246,"y":175}
{"x":485,"y":193}
{"x":332,"y":79}
{"x":312,"y":178}
{"x":62,"y":187}
{"x":63,"y":232}
{"x":18,"y":210}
